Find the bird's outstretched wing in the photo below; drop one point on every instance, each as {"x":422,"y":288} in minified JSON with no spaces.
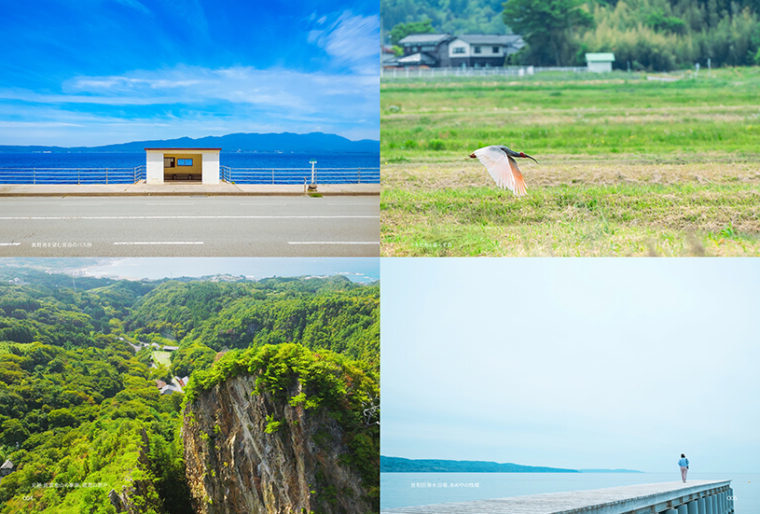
{"x":520,"y":189}
{"x":502,"y":168}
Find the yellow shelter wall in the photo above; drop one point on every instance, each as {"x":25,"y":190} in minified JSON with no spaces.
{"x":195,"y":169}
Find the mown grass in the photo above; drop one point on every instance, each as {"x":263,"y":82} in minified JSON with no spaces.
{"x":628,"y":166}
{"x":162,"y":358}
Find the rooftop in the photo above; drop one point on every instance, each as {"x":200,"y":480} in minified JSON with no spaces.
{"x":490,"y":39}
{"x":418,"y":59}
{"x":600,"y":57}
{"x":424,"y":39}
{"x":185,"y":149}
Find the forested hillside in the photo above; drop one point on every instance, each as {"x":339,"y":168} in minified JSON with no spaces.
{"x":450,"y":16}
{"x":81,"y":415}
{"x":643,"y":34}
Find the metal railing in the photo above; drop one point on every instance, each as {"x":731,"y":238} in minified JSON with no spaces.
{"x":506,"y":71}
{"x":84,"y":176}
{"x":44,"y":175}
{"x":300,"y":175}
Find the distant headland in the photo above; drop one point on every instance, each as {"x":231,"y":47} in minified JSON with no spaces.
{"x":240,"y":142}
{"x":401,"y":465}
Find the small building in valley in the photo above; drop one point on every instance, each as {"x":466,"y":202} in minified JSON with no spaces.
{"x":600,"y":62}
{"x":7,"y":468}
{"x":199,"y":165}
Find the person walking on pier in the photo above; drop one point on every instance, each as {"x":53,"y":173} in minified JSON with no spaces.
{"x":683,"y":462}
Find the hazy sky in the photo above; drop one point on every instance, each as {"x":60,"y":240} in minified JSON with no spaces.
{"x":356,"y":269}
{"x":579,"y":363}
{"x":93,"y":72}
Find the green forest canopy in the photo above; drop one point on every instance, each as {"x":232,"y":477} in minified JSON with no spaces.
{"x":79,"y":406}
{"x":643,"y":34}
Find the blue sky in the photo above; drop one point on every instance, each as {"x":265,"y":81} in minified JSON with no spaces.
{"x":96,"y":72}
{"x":578,"y":363}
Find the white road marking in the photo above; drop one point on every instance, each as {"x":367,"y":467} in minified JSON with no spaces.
{"x":333,"y":242}
{"x":141,"y":243}
{"x":184,"y":217}
{"x":10,"y":244}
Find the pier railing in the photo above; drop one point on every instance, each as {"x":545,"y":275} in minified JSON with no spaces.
{"x":697,"y":497}
{"x":72,"y":175}
{"x":299,"y":175}
{"x":83,"y":176}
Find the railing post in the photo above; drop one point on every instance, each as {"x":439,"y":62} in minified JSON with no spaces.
{"x":34,"y":175}
{"x":79,"y":179}
{"x":106,"y":176}
{"x":272,"y":175}
{"x":359,"y":180}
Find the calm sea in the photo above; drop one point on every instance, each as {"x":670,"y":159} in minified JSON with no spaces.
{"x":231,"y":159}
{"x":407,"y":489}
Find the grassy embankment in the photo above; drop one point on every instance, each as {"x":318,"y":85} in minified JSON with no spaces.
{"x":627,"y":166}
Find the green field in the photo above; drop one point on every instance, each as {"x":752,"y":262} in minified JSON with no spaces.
{"x":162,"y":358}
{"x":629,"y":164}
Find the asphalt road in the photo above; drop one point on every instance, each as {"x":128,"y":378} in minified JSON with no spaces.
{"x":272,"y":226}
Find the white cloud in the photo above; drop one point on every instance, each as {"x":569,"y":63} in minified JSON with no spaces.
{"x":351,"y":40}
{"x":134,"y":4}
{"x":306,"y":92}
{"x":191,"y":101}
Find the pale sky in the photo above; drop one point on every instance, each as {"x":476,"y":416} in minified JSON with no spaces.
{"x":577,"y":363}
{"x":361,"y":270}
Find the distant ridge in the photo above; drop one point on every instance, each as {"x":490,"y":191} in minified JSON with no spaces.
{"x":240,"y":142}
{"x":400,"y":465}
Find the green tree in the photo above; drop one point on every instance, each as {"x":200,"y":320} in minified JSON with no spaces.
{"x":13,"y":432}
{"x":62,"y":418}
{"x":402,"y":30}
{"x":548,"y":28}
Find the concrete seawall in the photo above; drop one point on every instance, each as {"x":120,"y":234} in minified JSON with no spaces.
{"x":694,"y":497}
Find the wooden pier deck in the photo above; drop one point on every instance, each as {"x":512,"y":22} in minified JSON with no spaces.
{"x":710,"y":497}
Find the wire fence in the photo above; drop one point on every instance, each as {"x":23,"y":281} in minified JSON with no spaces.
{"x":506,"y":71}
{"x":300,"y":175}
{"x":72,"y":175}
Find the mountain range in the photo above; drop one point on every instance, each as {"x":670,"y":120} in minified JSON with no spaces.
{"x":240,"y":142}
{"x":401,"y":465}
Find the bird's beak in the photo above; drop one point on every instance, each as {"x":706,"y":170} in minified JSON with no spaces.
{"x":531,"y":158}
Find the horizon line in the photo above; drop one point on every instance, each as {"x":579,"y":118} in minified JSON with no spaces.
{"x":195,"y":139}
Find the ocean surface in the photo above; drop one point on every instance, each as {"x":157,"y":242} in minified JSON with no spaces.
{"x":37,"y":160}
{"x":407,"y":489}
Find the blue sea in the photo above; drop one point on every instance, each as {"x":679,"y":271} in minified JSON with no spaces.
{"x":369,"y":163}
{"x":408,"y":489}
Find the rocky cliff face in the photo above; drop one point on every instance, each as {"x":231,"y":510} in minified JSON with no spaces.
{"x":255,"y":452}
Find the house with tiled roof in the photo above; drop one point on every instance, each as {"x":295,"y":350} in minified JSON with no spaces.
{"x":479,"y":50}
{"x":425,"y":50}
{"x":467,"y":50}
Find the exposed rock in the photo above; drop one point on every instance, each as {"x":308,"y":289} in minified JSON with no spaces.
{"x":254,"y":453}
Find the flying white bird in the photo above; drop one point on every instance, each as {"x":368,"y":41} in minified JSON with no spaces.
{"x":499,"y":162}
